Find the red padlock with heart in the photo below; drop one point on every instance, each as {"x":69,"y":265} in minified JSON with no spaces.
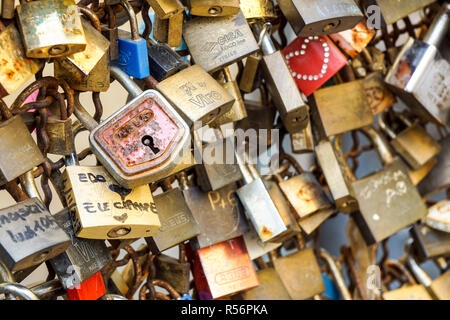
{"x":312,"y":61}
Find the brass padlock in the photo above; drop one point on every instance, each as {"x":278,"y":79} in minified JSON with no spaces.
{"x":196,"y":95}
{"x":213,"y":8}
{"x":215,"y":43}
{"x":394,"y":10}
{"x":177,"y":222}
{"x":50,"y":28}
{"x":388,"y":201}
{"x":29,"y":235}
{"x":16,"y":68}
{"x":414,"y":144}
{"x":218,"y":213}
{"x":169,"y":30}
{"x":18,"y":151}
{"x":341,"y":108}
{"x":217,"y":170}
{"x":165,"y":9}
{"x":255,"y":10}
{"x":439,"y":177}
{"x":270,"y":287}
{"x":438,"y":216}
{"x":60,"y":137}
{"x":316,"y":18}
{"x":302,"y":141}
{"x":237,"y":111}
{"x":420,"y":76}
{"x":250,"y":72}
{"x":175,"y":271}
{"x":102,"y":209}
{"x":300,"y":273}
{"x":282,"y":87}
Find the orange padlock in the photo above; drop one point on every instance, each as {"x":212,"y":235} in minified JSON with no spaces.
{"x":90,"y":289}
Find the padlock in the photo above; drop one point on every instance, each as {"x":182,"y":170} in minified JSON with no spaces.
{"x":81,"y":64}
{"x":82,"y":259}
{"x":255,"y":10}
{"x":164,"y":62}
{"x":341,"y":108}
{"x":310,"y":223}
{"x":408,"y":292}
{"x":255,"y":247}
{"x":430,"y":243}
{"x":440,"y":286}
{"x":439,"y":177}
{"x":215,"y":43}
{"x":222,"y":269}
{"x":388,"y":201}
{"x":313,"y":61}
{"x":354,"y":40}
{"x":237,"y":111}
{"x":303,"y":191}
{"x":414,"y":144}
{"x":50,"y":28}
{"x":29,"y":235}
{"x":337,"y":179}
{"x":270,"y":287}
{"x":260,"y":209}
{"x":418,"y":175}
{"x":420,"y":76}
{"x":316,"y":18}
{"x":90,"y":289}
{"x":164,"y":9}
{"x":196,"y":95}
{"x":177,"y":222}
{"x":102,"y":209}
{"x":213,"y":8}
{"x":159,"y":137}
{"x":19,"y":153}
{"x":218,"y":213}
{"x":169,"y":30}
{"x":394,"y":10}
{"x":217,"y":170}
{"x":174,"y":271}
{"x":302,"y":141}
{"x":378,"y":96}
{"x":300,"y":273}
{"x":286,"y":97}
{"x":133,"y":55}
{"x":16,"y":68}
{"x":250,"y":72}
{"x":438,"y":216}
{"x":7,"y":7}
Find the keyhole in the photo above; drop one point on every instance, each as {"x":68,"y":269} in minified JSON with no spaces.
{"x":148,"y":141}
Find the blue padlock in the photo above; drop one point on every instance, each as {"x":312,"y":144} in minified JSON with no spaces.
{"x":133,"y":58}
{"x":186,"y":297}
{"x":331,"y":289}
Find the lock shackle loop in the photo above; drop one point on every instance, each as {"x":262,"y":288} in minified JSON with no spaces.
{"x":289,"y":158}
{"x":29,"y":186}
{"x":124,"y":79}
{"x":4,"y":110}
{"x":49,"y":289}
{"x":133,"y":19}
{"x":82,"y":115}
{"x":17,"y":290}
{"x":412,"y":264}
{"x":5,"y":274}
{"x":438,"y":28}
{"x":166,"y":184}
{"x":384,"y":127}
{"x":337,"y":274}
{"x":336,"y":141}
{"x":90,"y":14}
{"x":380,"y":143}
{"x":264,"y":41}
{"x":404,"y":118}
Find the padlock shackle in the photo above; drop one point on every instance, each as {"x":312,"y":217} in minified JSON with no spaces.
{"x":435,"y":33}
{"x":4,"y":110}
{"x":337,"y":275}
{"x":336,"y":141}
{"x":412,"y":264}
{"x":264,"y":40}
{"x":382,"y":124}
{"x":52,"y":288}
{"x":81,"y":113}
{"x":292,"y":161}
{"x":133,"y":19}
{"x":5,"y":273}
{"x":380,"y":143}
{"x":124,"y":79}
{"x":28,"y":185}
{"x":17,"y":290}
{"x":95,"y":21}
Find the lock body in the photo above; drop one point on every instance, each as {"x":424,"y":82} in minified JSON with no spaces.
{"x":166,"y":8}
{"x":270,"y":287}
{"x":214,"y":278}
{"x":408,"y":292}
{"x":164,"y":62}
{"x":430,"y":243}
{"x":102,"y":209}
{"x":255,"y":10}
{"x":177,"y":222}
{"x":218,"y":213}
{"x":174,"y":272}
{"x":142,"y":142}
{"x":300,"y":274}
{"x":213,"y":8}
{"x":29,"y":235}
{"x":303,"y":141}
{"x":196,"y":95}
{"x":255,"y":247}
{"x":18,"y":152}
{"x":16,"y":67}
{"x":314,"y":18}
{"x":60,"y":136}
{"x":36,"y":19}
{"x":229,"y":39}
{"x":82,"y":259}
{"x":90,"y":289}
{"x":438,"y":216}
{"x":341,"y":108}
{"x":388,"y":202}
{"x":133,"y":55}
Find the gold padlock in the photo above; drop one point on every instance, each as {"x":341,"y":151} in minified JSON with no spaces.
{"x":255,"y":10}
{"x":213,"y":8}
